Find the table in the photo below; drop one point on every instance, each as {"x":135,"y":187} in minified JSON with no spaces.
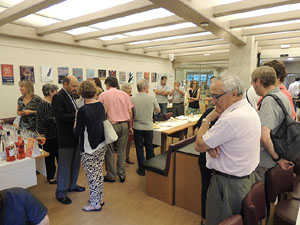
{"x":166,"y":128}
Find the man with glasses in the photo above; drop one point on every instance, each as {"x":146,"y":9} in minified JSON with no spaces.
{"x":161,"y":93}
{"x":233,"y":148}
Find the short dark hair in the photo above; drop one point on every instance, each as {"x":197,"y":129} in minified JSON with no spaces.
{"x":87,"y":89}
{"x":297,"y":79}
{"x":66,"y":80}
{"x":279,"y":68}
{"x":97,"y":82}
{"x":112,"y":81}
{"x":163,"y":78}
{"x":48,"y":88}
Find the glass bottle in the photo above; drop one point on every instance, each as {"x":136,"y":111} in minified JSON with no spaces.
{"x":10,"y":148}
{"x":20,"y":147}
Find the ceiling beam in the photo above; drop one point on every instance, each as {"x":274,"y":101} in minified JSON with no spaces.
{"x":191,"y":11}
{"x":279,"y":42}
{"x":272,"y":29}
{"x":269,"y":18}
{"x":197,"y":49}
{"x":25,"y":8}
{"x":183,"y":31}
{"x":201,"y":53}
{"x":170,"y":42}
{"x":274,"y":47}
{"x":136,"y":6}
{"x":247,"y":5}
{"x":215,"y":57}
{"x":277,"y":36}
{"x":185,"y":46}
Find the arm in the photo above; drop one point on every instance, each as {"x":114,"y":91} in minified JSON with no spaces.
{"x":197,"y":97}
{"x":165,"y":93}
{"x":79,"y":124}
{"x":172,"y":92}
{"x":131,"y":122}
{"x":45,"y":221}
{"x":58,"y":108}
{"x":158,"y":92}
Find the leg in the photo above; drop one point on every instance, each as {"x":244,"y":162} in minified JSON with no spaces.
{"x":163,"y":110}
{"x":175,"y":110}
{"x":180,"y":109}
{"x":110,"y":162}
{"x":148,"y":139}
{"x":75,"y":168}
{"x":101,"y":161}
{"x":51,"y":147}
{"x":139,"y":147}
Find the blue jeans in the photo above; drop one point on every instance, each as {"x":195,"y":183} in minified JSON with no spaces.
{"x":163,"y":110}
{"x":143,"y":138}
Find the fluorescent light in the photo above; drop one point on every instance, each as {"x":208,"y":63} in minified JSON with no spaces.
{"x":290,"y":59}
{"x":285,"y":46}
{"x":206,"y":54}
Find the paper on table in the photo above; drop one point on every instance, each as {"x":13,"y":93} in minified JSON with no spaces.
{"x":181,"y":117}
{"x":167,"y":124}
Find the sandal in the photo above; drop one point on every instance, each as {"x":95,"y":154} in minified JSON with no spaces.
{"x":90,"y":208}
{"x":102,"y":204}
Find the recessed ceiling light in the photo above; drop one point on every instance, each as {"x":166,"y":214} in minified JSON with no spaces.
{"x":290,"y":59}
{"x":206,"y":54}
{"x":285,"y":46}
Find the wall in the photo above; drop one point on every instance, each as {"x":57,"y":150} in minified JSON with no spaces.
{"x":34,"y":53}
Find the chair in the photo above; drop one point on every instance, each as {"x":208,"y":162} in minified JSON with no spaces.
{"x":280,"y":181}
{"x":234,"y":220}
{"x":254,"y":205}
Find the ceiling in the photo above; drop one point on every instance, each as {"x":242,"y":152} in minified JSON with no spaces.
{"x":194,"y":32}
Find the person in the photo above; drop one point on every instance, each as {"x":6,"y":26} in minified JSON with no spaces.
{"x":89,"y":127}
{"x":252,"y":97}
{"x":161,"y":93}
{"x":193,"y":97}
{"x":65,"y":108}
{"x":98,"y":83}
{"x":177,"y":99}
{"x":118,"y":107}
{"x":128,"y":89}
{"x":19,"y":206}
{"x":27,"y":105}
{"x":46,"y":125}
{"x":281,"y":74}
{"x":294,"y":90}
{"x":233,"y":149}
{"x":144,"y":105}
{"x":271,"y":115}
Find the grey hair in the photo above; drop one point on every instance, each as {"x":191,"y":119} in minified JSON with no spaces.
{"x":141,"y":84}
{"x":126,"y":86}
{"x":232,"y":83}
{"x":48,"y":88}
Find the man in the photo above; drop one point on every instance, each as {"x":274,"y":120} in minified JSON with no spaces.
{"x":233,"y":148}
{"x":178,"y":99}
{"x":118,"y":107}
{"x":19,"y":206}
{"x":144,"y":105}
{"x":161,"y":93}
{"x":271,"y":116}
{"x":64,"y":108}
{"x":294,"y":90}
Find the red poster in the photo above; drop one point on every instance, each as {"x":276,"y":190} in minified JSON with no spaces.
{"x":7,"y":72}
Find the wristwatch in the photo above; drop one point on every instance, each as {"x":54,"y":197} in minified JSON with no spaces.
{"x":206,"y":120}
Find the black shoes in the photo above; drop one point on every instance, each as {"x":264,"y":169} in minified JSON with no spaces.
{"x":122,"y":179}
{"x":53,"y":181}
{"x":108,"y":180}
{"x":78,"y":189}
{"x":140,"y":172}
{"x":65,"y":200}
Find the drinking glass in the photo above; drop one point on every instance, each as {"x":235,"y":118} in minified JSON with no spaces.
{"x":41,"y":140}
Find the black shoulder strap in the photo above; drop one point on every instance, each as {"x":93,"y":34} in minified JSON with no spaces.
{"x":278,"y":101}
{"x":248,"y":98}
{"x":2,"y":206}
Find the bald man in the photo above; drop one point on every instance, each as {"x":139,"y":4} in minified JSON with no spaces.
{"x":65,"y":108}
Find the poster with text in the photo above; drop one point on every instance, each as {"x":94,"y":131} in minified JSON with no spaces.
{"x":77,"y":72}
{"x":27,"y":73}
{"x":90,"y":73}
{"x":122,"y":77}
{"x":112,"y":73}
{"x":130,"y":78}
{"x":62,"y":72}
{"x":139,"y":75}
{"x":146,"y":75}
{"x":7,"y":72}
{"x":153,"y":77}
{"x":102,"y":74}
{"x":46,"y":74}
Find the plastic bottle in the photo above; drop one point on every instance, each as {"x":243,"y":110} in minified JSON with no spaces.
{"x":20,"y":147}
{"x":10,"y":148}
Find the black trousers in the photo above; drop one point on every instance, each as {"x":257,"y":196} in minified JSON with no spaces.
{"x":205,"y":176}
{"x":51,"y":147}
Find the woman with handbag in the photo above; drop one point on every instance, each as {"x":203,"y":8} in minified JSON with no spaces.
{"x":89,"y":127}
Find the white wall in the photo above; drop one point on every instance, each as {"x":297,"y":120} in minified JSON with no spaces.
{"x":33,"y":53}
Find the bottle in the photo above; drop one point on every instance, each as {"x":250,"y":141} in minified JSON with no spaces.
{"x":20,"y":147}
{"x":2,"y":148}
{"x":10,"y":148}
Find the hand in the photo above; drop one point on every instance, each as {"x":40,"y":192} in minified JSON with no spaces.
{"x":214,"y":152}
{"x":213,"y":115}
{"x":25,"y":112}
{"x":130,"y":131}
{"x":285,"y":165}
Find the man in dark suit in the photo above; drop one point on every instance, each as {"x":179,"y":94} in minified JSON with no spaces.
{"x":65,"y":108}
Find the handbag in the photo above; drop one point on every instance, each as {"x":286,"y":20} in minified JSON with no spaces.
{"x":109,"y":132}
{"x":286,"y":137}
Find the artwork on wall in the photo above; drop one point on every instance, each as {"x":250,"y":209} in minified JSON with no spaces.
{"x":7,"y":71}
{"x":27,"y":73}
{"x":102,"y":74}
{"x":90,"y":73}
{"x":139,"y":75}
{"x":130,"y":78}
{"x":122,"y":77}
{"x":46,"y":74}
{"x":146,"y":75}
{"x":112,"y":73}
{"x":62,"y":72}
{"x":153,"y":77}
{"x":77,"y":72}
{"x":159,"y":77}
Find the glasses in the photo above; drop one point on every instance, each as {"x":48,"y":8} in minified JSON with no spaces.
{"x":216,"y":97}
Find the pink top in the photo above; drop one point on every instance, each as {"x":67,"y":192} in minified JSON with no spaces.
{"x":117,"y":105}
{"x":288,"y":94}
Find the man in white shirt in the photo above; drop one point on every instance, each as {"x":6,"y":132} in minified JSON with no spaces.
{"x":161,"y":93}
{"x":233,"y":148}
{"x":294,"y":90}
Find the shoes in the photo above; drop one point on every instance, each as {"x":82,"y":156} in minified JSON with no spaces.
{"x":140,"y":172}
{"x":122,"y":179}
{"x":108,"y":180}
{"x":64,"y":200}
{"x":102,"y":204}
{"x":89,"y":208}
{"x":78,"y":189}
{"x":129,"y":162}
{"x":52,"y":181}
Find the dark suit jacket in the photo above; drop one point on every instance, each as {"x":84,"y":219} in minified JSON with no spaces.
{"x":64,"y":113}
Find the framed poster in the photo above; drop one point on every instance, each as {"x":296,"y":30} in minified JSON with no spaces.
{"x":27,"y":73}
{"x":139,"y":75}
{"x":7,"y":71}
{"x":102,"y":74}
{"x":62,"y":72}
{"x":122,"y":77}
{"x":146,"y":75}
{"x":153,"y":77}
{"x":90,"y":73}
{"x":130,"y":78}
{"x":112,"y":73}
{"x":77,"y":72}
{"x":46,"y":74}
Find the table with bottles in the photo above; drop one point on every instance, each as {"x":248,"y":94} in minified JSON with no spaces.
{"x":20,"y":157}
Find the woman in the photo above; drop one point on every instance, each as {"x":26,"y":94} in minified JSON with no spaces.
{"x":128,"y":89}
{"x":46,"y":125}
{"x":89,"y":127}
{"x":27,"y":105}
{"x":97,"y":81}
{"x":193,"y":97}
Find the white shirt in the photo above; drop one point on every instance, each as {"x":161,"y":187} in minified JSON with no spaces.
{"x":294,"y":89}
{"x":237,"y":132}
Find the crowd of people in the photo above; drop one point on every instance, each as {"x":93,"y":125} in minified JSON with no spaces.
{"x":233,"y":136}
